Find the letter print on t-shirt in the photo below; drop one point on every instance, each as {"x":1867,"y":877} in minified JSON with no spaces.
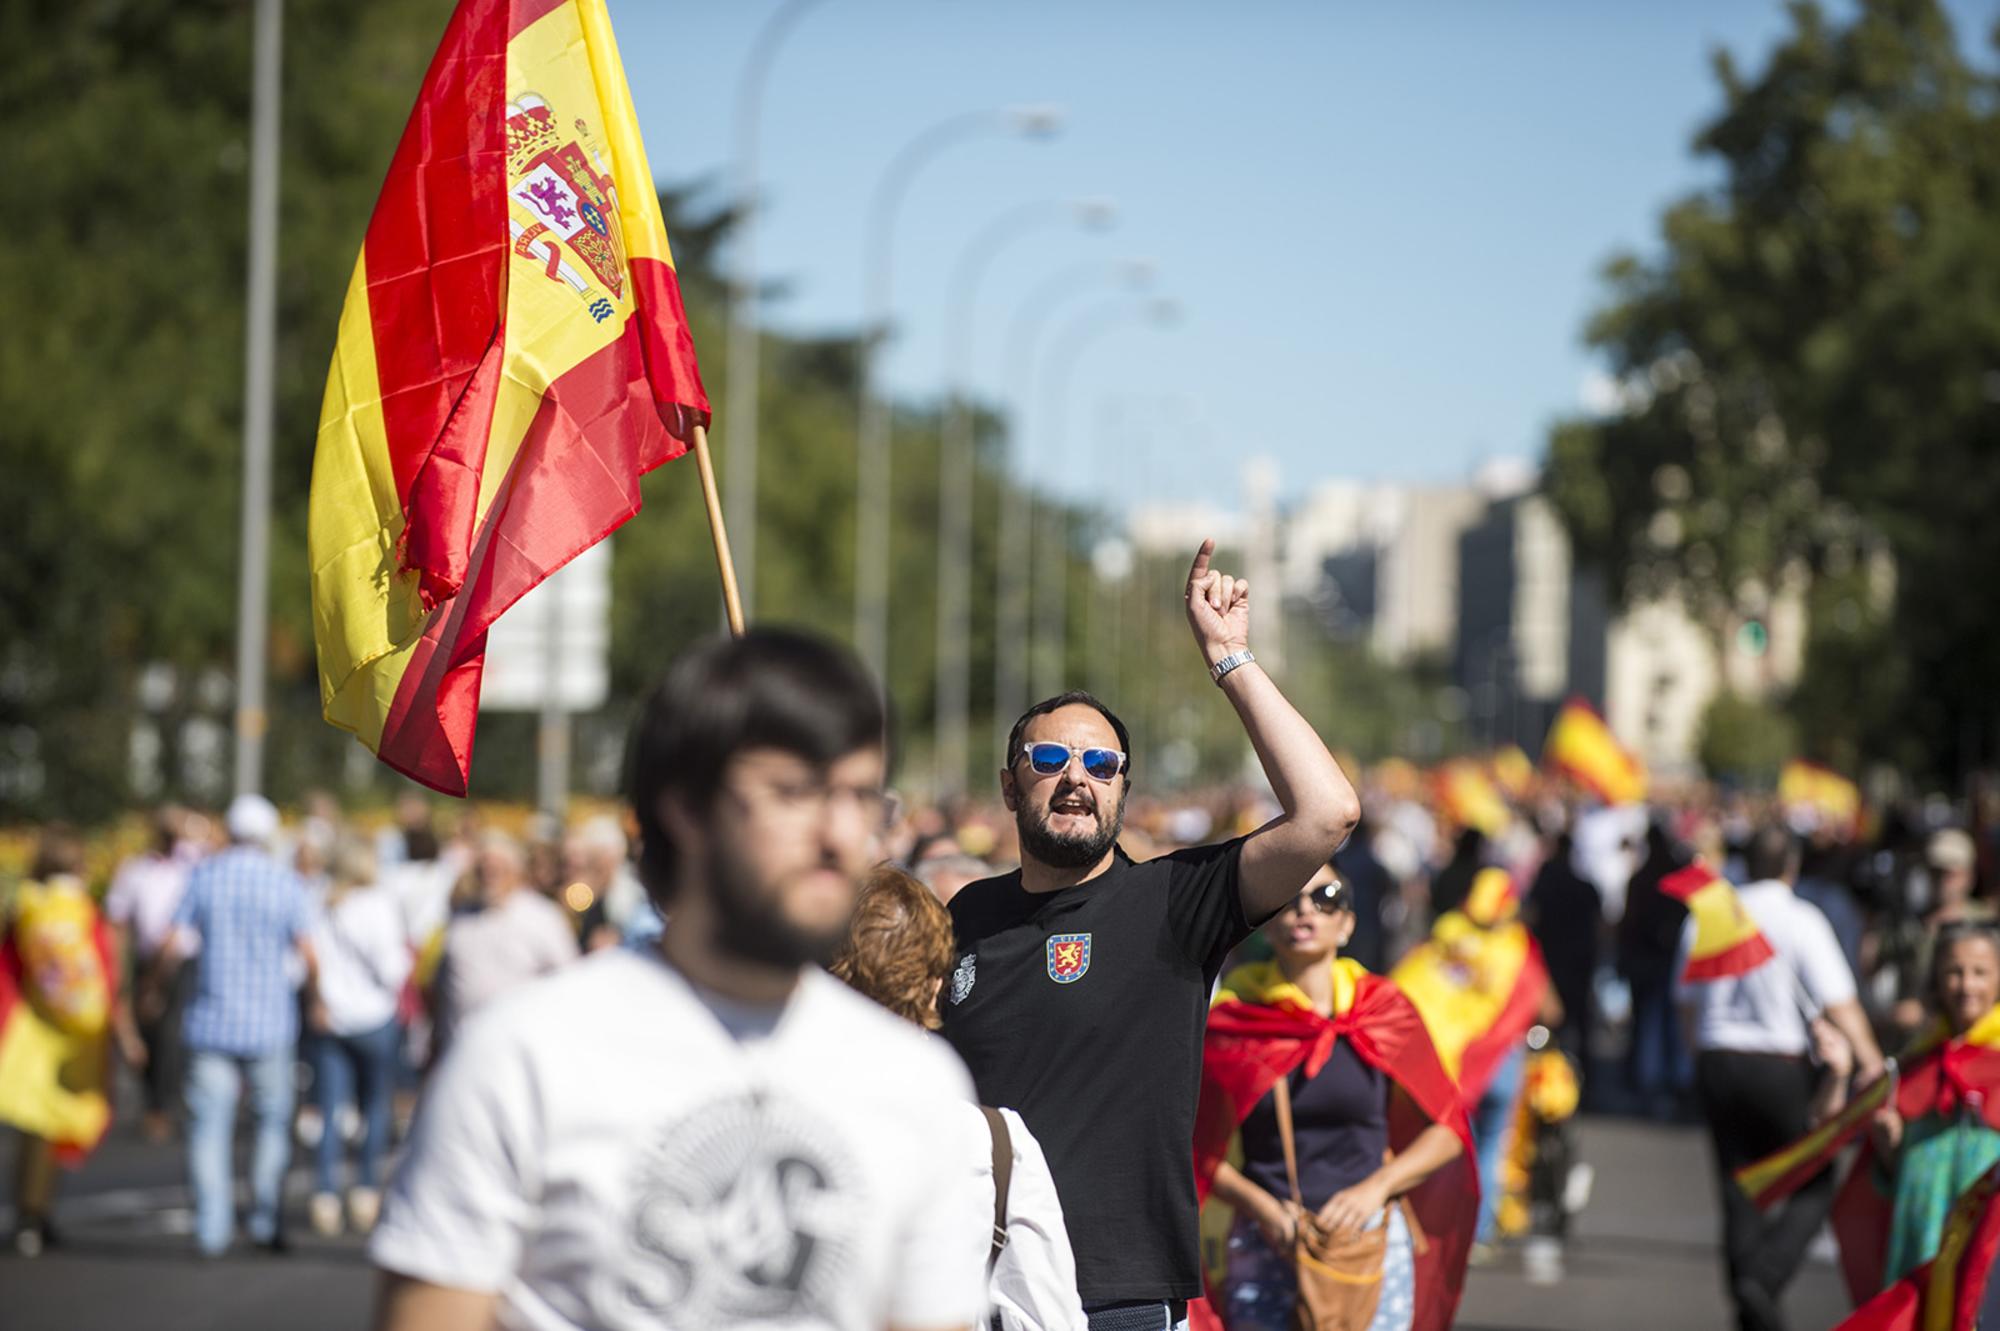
{"x":744,"y":1212}
{"x":1069,"y":957}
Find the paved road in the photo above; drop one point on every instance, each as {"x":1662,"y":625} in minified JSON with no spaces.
{"x":1643,"y":1258}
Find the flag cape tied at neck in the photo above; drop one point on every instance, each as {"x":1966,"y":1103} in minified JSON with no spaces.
{"x":1727,"y":941}
{"x":1263,"y":1027}
{"x":512,"y":357}
{"x":1478,"y":981}
{"x":1934,"y":1075}
{"x":57,"y":989}
{"x":1948,"y":1292}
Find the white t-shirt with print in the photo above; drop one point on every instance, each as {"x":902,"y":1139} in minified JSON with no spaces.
{"x":601,"y":1151}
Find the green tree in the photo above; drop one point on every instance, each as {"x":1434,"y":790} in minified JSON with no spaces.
{"x":1809,"y":373}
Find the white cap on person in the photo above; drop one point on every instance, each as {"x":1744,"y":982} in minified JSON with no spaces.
{"x":252,"y":818}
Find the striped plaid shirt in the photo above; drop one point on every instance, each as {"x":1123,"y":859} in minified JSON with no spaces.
{"x":251,"y":912}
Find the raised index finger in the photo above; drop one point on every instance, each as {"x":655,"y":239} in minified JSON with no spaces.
{"x":1200,"y":565}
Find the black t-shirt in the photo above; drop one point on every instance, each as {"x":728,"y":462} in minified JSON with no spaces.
{"x":1083,"y":1009}
{"x":1340,"y":1128}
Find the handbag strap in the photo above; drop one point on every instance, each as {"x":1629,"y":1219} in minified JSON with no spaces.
{"x":1003,"y":1178}
{"x":1281,"y":1094}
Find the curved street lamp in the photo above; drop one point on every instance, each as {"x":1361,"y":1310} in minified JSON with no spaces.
{"x":872,"y":469}
{"x":1010,"y":655}
{"x":1087,"y":328}
{"x":952,"y":685}
{"x":739,"y":425}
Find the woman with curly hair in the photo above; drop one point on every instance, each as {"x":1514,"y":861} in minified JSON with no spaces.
{"x":898,"y":951}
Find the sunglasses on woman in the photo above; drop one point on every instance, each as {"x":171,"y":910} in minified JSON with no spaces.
{"x":1327,"y":899}
{"x":1047,"y":759}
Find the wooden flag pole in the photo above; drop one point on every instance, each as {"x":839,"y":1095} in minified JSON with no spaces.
{"x":732,"y":602}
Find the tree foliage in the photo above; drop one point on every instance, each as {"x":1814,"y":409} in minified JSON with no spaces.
{"x":1810,"y":374}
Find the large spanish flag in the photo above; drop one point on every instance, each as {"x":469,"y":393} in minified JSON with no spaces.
{"x":1581,"y":746}
{"x":513,"y":356}
{"x":58,"y":989}
{"x":1947,"y":1293}
{"x":1727,"y":941}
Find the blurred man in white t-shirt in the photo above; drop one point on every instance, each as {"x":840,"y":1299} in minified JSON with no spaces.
{"x":1753,"y":1036}
{"x":715,"y":1133}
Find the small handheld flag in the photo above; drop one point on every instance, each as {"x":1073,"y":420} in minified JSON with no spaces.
{"x":1778,"y":1175}
{"x":1727,"y":941}
{"x":1582,"y":747}
{"x":512,"y":357}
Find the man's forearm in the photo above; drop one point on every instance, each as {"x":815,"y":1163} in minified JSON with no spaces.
{"x":1852,"y":1022}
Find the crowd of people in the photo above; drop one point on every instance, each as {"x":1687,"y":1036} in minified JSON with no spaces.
{"x":768,"y":1046}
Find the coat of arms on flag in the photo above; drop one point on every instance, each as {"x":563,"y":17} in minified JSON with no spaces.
{"x":1069,"y":957}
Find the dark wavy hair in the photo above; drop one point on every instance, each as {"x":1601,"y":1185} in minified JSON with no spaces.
{"x":898,"y":947}
{"x":771,"y":688}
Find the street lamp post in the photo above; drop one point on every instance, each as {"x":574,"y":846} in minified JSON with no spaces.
{"x":872,"y":463}
{"x":260,"y":333}
{"x":1010,"y":630}
{"x":739,"y":424}
{"x":952,"y":686}
{"x":1086,"y":328}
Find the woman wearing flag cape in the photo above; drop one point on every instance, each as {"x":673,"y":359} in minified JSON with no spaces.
{"x":1374,"y":1116}
{"x":1932,"y":1127}
{"x":1479,"y":983}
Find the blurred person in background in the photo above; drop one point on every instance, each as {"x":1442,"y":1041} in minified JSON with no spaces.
{"x":502,"y":934}
{"x":1450,"y":884}
{"x":1086,"y":974}
{"x":1566,"y":914}
{"x":1752,"y":1035}
{"x":1480,"y":982}
{"x":1659,"y":1066}
{"x":1368,"y":888}
{"x":718,"y":1133}
{"x":145,"y":891}
{"x":1372,"y":1114}
{"x":598,"y":856}
{"x":898,"y":951}
{"x":60,"y":1008}
{"x":364,"y":960}
{"x":412,"y":837}
{"x":947,"y":875}
{"x":1941,"y":1131}
{"x":253,"y":918}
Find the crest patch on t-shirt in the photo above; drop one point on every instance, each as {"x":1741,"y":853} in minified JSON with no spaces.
{"x":1069,"y":957}
{"x":962,"y":978}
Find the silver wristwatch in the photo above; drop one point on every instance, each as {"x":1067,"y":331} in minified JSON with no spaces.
{"x":1229,"y":663}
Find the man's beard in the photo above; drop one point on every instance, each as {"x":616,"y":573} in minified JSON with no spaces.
{"x":750,"y":922}
{"x":1045,"y":845}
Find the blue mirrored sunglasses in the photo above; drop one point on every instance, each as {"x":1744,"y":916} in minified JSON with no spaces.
{"x":1048,"y":759}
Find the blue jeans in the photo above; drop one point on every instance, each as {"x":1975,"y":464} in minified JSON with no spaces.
{"x":1662,"y":1066}
{"x":1493,"y":1134}
{"x":214,"y":1082}
{"x":1262,"y":1287}
{"x":360,"y":1070}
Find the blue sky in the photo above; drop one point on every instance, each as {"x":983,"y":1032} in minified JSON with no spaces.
{"x":1383,"y":223}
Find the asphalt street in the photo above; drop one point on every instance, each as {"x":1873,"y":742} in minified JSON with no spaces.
{"x":1644,"y":1256}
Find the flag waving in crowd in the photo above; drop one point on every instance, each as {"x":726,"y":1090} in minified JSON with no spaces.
{"x":1581,"y":746}
{"x":512,"y":357}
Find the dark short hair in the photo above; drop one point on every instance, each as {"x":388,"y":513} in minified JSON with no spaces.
{"x":1773,"y":852}
{"x":770,"y":688}
{"x":1074,"y":698}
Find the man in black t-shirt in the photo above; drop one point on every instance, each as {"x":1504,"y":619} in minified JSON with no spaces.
{"x":1082,"y":983}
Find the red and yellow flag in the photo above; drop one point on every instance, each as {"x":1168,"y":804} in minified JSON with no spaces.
{"x":1784,"y":1171}
{"x":1726,"y":940}
{"x":1465,"y":796}
{"x":1582,"y":747}
{"x":512,"y":357}
{"x":1825,"y":792}
{"x":1948,"y":1292}
{"x":58,"y":987}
